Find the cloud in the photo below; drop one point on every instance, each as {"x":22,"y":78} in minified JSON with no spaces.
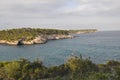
{"x":49,"y":8}
{"x":29,"y":8}
{"x":93,"y":7}
{"x":59,"y":12}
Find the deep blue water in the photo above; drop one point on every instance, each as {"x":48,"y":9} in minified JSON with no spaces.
{"x":100,"y":47}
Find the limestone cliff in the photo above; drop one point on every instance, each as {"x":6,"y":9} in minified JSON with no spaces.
{"x":37,"y":40}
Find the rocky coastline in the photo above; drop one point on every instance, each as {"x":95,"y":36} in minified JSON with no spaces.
{"x":41,"y":39}
{"x":30,"y":36}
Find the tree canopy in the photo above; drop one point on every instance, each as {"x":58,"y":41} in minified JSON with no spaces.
{"x":29,"y":33}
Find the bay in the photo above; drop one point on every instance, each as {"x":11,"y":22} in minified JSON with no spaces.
{"x":100,"y":47}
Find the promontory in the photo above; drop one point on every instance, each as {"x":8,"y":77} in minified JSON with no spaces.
{"x":27,"y":36}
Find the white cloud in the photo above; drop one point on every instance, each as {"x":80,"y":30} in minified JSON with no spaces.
{"x":92,"y":7}
{"x":56,"y":7}
{"x":60,"y":12}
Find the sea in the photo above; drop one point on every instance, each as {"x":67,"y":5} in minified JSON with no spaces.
{"x":99,"y":47}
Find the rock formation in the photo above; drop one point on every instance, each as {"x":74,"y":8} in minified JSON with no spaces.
{"x":37,"y":40}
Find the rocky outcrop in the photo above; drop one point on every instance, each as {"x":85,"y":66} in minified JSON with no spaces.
{"x":8,"y":42}
{"x":37,"y":40}
{"x":55,"y":37}
{"x":64,"y":36}
{"x":40,"y":39}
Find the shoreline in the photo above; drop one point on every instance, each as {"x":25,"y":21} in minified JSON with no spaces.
{"x":37,"y":40}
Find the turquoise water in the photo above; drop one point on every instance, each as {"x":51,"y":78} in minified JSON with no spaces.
{"x":100,"y":47}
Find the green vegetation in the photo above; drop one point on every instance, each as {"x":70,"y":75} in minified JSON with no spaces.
{"x":28,"y":33}
{"x":75,"y":68}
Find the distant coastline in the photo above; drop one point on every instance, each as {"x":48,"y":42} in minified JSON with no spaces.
{"x":30,"y":36}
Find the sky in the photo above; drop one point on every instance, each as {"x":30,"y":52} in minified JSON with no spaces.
{"x":60,"y":14}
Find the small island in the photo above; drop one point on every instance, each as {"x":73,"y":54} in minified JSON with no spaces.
{"x":28,"y":36}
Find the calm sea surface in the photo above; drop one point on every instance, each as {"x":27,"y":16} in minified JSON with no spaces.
{"x":100,"y":47}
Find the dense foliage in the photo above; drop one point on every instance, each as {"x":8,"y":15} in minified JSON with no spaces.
{"x":75,"y":68}
{"x":29,"y":33}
